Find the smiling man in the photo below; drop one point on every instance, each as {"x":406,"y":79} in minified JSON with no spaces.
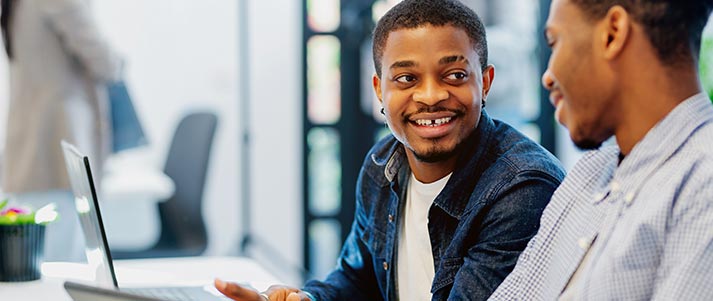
{"x":445,"y":204}
{"x":634,"y":220}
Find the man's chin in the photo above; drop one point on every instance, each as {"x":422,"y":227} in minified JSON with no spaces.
{"x":437,"y":150}
{"x":587,"y":144}
{"x":434,"y":155}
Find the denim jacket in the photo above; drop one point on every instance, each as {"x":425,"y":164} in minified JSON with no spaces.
{"x":478,"y":224}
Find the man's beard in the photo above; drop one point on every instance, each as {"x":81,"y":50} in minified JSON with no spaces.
{"x":436,"y":154}
{"x":588,"y":144}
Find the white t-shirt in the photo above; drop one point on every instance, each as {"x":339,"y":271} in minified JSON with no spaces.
{"x":415,"y":269}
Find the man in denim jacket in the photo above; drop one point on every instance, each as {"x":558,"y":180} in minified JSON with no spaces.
{"x":446,"y":204}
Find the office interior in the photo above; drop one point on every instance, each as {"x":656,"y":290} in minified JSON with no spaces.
{"x":289,"y":82}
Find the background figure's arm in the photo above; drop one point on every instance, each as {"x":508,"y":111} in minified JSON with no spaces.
{"x":507,"y":226}
{"x":75,"y":26}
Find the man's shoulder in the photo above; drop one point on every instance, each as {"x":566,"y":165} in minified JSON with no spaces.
{"x":700,"y":142}
{"x":517,"y":153}
{"x":693,"y":161}
{"x":694,"y":156}
{"x":692,"y":165}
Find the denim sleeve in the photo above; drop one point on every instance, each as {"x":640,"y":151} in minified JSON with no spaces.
{"x":512,"y":219}
{"x":354,"y":277}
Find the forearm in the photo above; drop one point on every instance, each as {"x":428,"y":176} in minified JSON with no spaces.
{"x":352,"y":280}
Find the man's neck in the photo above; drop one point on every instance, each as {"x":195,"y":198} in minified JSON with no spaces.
{"x":648,"y":100}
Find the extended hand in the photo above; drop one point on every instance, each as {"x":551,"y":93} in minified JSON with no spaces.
{"x":274,"y":293}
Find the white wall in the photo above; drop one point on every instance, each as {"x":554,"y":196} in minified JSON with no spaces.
{"x":276,"y":110}
{"x":182,"y":56}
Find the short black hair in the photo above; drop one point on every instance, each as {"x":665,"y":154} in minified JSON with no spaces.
{"x":410,"y":14}
{"x":674,"y":27}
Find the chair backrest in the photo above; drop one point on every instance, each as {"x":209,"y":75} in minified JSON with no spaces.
{"x":182,"y":225}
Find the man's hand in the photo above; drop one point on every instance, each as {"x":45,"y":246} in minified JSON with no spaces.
{"x":274,"y":293}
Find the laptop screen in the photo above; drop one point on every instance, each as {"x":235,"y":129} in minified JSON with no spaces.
{"x":87,"y":205}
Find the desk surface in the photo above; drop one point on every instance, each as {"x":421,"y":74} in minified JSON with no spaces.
{"x":194,"y":271}
{"x":129,"y":184}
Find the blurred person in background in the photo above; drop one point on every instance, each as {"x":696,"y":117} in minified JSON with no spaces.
{"x":59,"y":66}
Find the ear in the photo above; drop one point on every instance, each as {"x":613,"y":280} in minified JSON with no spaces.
{"x":615,"y":31}
{"x":488,"y":76}
{"x":376,"y":81}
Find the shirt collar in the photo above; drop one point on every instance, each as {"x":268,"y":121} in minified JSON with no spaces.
{"x":661,"y":142}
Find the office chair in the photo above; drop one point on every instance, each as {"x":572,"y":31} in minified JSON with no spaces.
{"x":183,"y":231}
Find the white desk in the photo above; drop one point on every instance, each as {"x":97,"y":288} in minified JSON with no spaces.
{"x":132,"y":183}
{"x":192,"y":271}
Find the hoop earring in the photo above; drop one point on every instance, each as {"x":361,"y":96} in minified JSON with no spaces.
{"x":382,"y":111}
{"x":482,"y":103}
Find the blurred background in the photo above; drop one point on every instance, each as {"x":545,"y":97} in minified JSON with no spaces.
{"x":289,"y":82}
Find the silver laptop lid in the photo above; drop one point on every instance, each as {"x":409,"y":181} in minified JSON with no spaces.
{"x":87,"y":205}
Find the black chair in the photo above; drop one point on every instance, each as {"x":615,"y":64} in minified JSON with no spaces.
{"x":183,"y":231}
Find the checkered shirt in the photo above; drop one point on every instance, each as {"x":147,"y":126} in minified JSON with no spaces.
{"x":652,"y":217}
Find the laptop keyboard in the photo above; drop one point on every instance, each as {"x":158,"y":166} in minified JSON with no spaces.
{"x":167,"y":293}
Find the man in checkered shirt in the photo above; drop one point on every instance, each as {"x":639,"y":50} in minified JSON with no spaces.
{"x":632,"y":220}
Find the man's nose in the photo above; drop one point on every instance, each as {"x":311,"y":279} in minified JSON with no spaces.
{"x":430,"y":93}
{"x":548,"y":80}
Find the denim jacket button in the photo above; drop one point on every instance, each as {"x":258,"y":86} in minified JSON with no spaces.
{"x":391,"y":218}
{"x":386,"y":266}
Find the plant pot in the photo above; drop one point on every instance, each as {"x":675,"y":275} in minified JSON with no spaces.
{"x":21,"y":252}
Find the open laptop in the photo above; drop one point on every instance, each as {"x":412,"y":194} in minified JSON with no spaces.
{"x":97,"y":248}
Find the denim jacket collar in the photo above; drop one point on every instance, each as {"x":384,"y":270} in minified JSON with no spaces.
{"x":453,"y":199}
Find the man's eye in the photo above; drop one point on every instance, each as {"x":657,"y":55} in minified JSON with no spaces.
{"x":405,"y":79}
{"x":457,"y":76}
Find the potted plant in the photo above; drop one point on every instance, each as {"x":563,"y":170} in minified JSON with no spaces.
{"x":22,"y":232}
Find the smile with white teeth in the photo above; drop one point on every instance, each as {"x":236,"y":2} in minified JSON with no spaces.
{"x":433,"y":122}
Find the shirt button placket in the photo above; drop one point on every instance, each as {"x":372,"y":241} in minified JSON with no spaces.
{"x":629,"y":198}
{"x":615,"y":186}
